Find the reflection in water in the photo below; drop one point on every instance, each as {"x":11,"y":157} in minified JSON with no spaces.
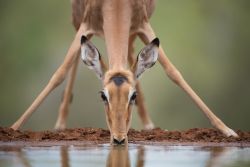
{"x":118,"y":156}
{"x":215,"y":155}
{"x":22,"y":159}
{"x":121,"y":156}
{"x":64,"y":156}
{"x":140,"y":157}
{"x":228,"y":156}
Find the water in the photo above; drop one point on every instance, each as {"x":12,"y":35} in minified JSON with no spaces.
{"x":131,"y":156}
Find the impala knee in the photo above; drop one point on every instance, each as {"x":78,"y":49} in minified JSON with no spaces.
{"x":70,"y":99}
{"x":58,"y":77}
{"x":174,"y":75}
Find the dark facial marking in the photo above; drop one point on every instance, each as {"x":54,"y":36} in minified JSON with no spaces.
{"x":119,"y":80}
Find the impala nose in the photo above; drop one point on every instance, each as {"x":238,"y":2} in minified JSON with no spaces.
{"x":118,"y":141}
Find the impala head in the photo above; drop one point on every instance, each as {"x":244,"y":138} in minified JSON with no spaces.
{"x":118,"y":93}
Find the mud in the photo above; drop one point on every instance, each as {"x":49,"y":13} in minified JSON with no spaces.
{"x":157,"y":135}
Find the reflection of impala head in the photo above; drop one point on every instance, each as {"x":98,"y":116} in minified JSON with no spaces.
{"x":118,"y":92}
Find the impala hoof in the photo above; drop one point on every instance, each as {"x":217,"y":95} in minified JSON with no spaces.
{"x":149,"y":126}
{"x":230,"y":133}
{"x":60,"y":126}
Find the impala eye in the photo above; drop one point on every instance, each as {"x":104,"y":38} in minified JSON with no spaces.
{"x":104,"y":97}
{"x":133,"y":97}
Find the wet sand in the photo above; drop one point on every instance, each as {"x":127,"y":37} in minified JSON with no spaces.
{"x":80,"y":136}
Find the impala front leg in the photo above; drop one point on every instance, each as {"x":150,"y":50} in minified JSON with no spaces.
{"x":147,"y":34}
{"x":67,"y":97}
{"x":56,"y":79}
{"x":142,"y":110}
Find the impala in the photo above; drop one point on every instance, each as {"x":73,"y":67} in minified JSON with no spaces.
{"x":119,"y":22}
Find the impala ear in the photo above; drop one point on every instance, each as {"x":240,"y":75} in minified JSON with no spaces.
{"x":91,"y":57}
{"x":146,"y":58}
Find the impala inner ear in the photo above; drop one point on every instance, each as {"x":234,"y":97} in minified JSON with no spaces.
{"x":91,"y":57}
{"x":146,"y":58}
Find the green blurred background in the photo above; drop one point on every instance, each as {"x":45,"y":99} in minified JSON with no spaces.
{"x":208,"y":41}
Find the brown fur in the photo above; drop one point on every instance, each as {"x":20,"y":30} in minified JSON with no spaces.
{"x":90,"y":12}
{"x":119,"y":22}
{"x":111,"y":73}
{"x":118,"y":110}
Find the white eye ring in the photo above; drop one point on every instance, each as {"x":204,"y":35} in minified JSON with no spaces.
{"x":132,"y":93}
{"x":106,"y":94}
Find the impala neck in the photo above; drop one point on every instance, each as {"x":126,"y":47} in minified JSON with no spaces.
{"x":116,"y":27}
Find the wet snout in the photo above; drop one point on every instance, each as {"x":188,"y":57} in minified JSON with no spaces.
{"x":120,"y":139}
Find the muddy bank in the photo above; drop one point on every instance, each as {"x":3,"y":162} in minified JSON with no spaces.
{"x":196,"y":135}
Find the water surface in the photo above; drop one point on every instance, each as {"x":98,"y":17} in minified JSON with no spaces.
{"x":131,"y":156}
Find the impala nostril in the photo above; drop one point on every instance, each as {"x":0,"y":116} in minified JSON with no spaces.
{"x":119,"y":142}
